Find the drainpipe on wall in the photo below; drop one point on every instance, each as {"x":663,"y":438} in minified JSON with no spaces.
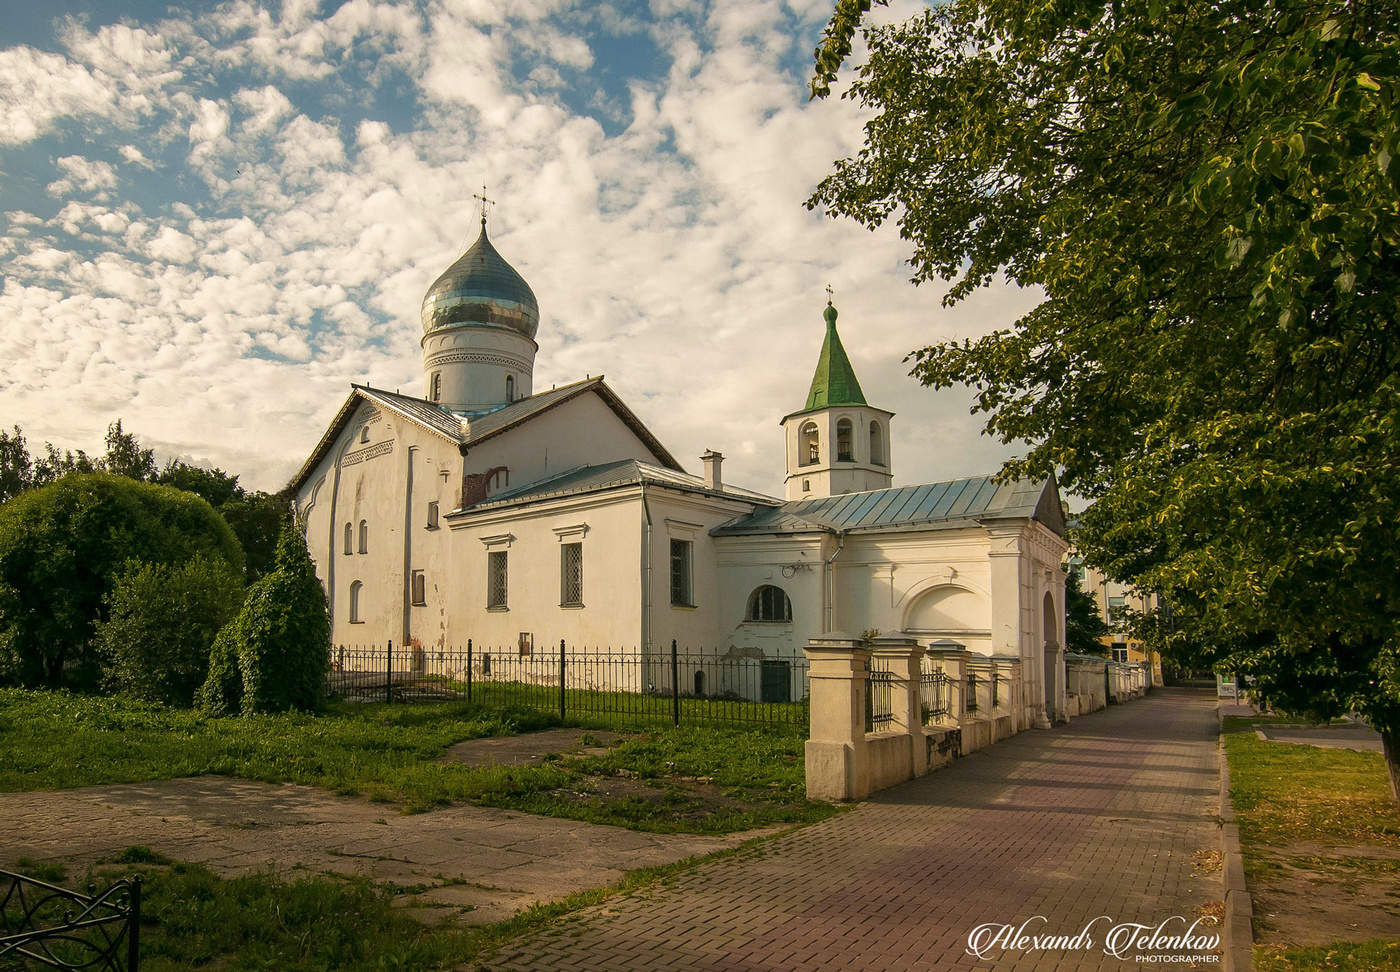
{"x":646,"y":571}
{"x":831,"y":581}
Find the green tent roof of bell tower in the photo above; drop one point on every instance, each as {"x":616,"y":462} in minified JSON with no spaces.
{"x":835,"y":380}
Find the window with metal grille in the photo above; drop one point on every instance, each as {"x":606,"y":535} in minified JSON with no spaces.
{"x":571,"y":575}
{"x":496,"y":580}
{"x":419,"y":588}
{"x":681,"y":595}
{"x":433,"y":515}
{"x":768,"y":603}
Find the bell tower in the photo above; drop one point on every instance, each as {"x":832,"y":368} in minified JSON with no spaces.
{"x":837,"y":443}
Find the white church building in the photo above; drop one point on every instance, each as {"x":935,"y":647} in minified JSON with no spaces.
{"x":486,"y":510}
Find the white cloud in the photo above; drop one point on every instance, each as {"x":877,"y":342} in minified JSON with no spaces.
{"x":38,"y":88}
{"x":82,"y":175}
{"x":264,"y":106}
{"x":171,"y":246}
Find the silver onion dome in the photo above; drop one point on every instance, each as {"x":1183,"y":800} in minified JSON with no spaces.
{"x":481,"y":288}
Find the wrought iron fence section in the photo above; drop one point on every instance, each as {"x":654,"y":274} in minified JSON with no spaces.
{"x":879,"y":700}
{"x":935,"y":695}
{"x":666,"y":684}
{"x":971,"y":692}
{"x":62,"y":929}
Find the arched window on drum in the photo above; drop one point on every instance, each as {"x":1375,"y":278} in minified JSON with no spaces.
{"x":769,"y":603}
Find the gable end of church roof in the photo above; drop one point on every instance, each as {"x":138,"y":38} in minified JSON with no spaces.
{"x":450,"y":425}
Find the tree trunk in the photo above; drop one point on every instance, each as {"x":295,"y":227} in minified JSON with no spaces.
{"x":1390,"y":742}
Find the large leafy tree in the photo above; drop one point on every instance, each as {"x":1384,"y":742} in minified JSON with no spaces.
{"x":1207,"y":196}
{"x":62,"y":549}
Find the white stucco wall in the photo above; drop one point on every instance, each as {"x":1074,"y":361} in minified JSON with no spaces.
{"x":578,"y":432}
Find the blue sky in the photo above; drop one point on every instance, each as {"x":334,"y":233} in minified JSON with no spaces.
{"x":213,"y":218}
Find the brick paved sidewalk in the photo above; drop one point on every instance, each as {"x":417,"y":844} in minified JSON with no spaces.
{"x":1098,"y":818}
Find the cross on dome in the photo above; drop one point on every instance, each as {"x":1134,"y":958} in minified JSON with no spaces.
{"x":481,"y":197}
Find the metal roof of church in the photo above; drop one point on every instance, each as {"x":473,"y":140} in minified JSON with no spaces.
{"x":469,"y":428}
{"x":960,"y":502}
{"x":624,"y":472}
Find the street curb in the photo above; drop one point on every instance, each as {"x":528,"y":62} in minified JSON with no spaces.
{"x":1237,"y":932}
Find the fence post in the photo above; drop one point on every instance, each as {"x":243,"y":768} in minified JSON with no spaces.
{"x":836,"y":746}
{"x":561,"y":679}
{"x":133,"y":935}
{"x":389,"y":672}
{"x":469,"y":669}
{"x":675,"y":686}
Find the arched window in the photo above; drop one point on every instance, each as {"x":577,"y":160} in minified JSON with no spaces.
{"x":808,"y":445}
{"x":364,"y":536}
{"x":510,"y":388}
{"x":844,"y":448}
{"x":364,"y":434}
{"x":355,"y":589}
{"x":349,"y":537}
{"x":768,"y":603}
{"x":877,"y":448}
{"x":435,"y":394}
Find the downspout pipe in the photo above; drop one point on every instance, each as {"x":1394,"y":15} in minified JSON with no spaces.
{"x":831,"y":580}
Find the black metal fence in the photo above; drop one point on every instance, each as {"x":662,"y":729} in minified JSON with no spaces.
{"x":62,"y":929}
{"x":879,"y":700}
{"x":971,"y":692}
{"x":667,"y":684}
{"x":935,"y":695}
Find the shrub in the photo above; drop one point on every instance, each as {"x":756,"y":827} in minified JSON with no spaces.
{"x":161,"y":622}
{"x":61,"y":547}
{"x":273,"y":655}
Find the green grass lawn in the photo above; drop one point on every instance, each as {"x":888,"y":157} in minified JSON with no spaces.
{"x":191,"y":918}
{"x":51,"y":740}
{"x":1377,"y":955}
{"x":1286,"y":795}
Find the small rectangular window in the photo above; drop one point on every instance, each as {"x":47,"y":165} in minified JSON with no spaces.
{"x":571,"y":575}
{"x":496,"y":580}
{"x":681,"y":594}
{"x":1117,"y":609}
{"x":419,"y":588}
{"x":433,"y":515}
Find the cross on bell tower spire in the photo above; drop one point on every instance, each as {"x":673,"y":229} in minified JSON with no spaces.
{"x":829,"y":293}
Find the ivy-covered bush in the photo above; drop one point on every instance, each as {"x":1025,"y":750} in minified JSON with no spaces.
{"x":62,"y":547}
{"x":161,"y":621}
{"x":274,"y":654}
